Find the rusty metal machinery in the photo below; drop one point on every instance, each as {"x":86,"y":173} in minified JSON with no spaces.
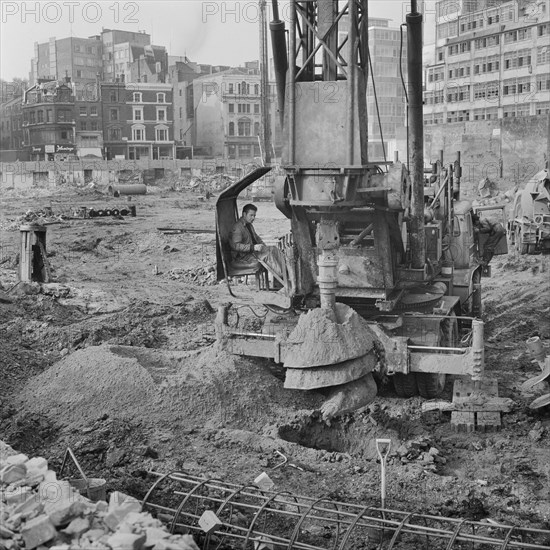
{"x":248,"y":517}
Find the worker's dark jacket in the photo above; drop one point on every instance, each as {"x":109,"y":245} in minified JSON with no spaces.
{"x":242,"y":240}
{"x":495,"y":230}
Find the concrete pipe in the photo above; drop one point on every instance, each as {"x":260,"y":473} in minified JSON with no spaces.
{"x":130,"y":189}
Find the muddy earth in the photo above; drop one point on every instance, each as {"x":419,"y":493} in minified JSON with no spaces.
{"x":117,"y":360}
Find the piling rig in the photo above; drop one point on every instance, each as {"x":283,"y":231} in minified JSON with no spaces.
{"x":378,"y":271}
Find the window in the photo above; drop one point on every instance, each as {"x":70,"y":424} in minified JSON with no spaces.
{"x":138,"y":113}
{"x":543,"y":82}
{"x":114,"y":134}
{"x":244,"y":127}
{"x":83,"y":125}
{"x":76,"y":48}
{"x":161,"y":114}
{"x":231,"y":128}
{"x":231,"y":107}
{"x":79,"y":73}
{"x":136,"y":97}
{"x":138,"y":133}
{"x":113,"y":97}
{"x":245,"y":89}
{"x":256,"y":89}
{"x":64,"y":134}
{"x":256,"y":128}
{"x":257,"y":109}
{"x":243,"y":107}
{"x":93,"y":125}
{"x":93,"y":110}
{"x":162,"y":134}
{"x":231,"y":88}
{"x":40,"y":116}
{"x":161,"y":97}
{"x":48,"y":115}
{"x":83,"y":111}
{"x":543,"y":30}
{"x":543,"y":55}
{"x":114,"y":114}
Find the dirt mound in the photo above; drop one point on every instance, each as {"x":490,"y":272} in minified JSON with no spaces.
{"x":210,"y":388}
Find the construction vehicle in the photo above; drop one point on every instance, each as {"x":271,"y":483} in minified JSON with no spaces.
{"x":378,"y":269}
{"x":529,"y":225}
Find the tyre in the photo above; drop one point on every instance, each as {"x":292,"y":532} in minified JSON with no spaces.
{"x":431,"y":385}
{"x":405,"y":385}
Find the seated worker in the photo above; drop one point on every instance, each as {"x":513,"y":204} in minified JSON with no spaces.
{"x":496,"y":232}
{"x":247,"y":248}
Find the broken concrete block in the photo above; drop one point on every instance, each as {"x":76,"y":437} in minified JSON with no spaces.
{"x":37,"y":531}
{"x":183,"y":542}
{"x":209,"y":522}
{"x":264,"y":482}
{"x":50,"y":476}
{"x":117,"y":498}
{"x":31,"y":506}
{"x":117,"y":514}
{"x":17,"y":495}
{"x":154,"y":535}
{"x":126,"y":541}
{"x":15,"y":459}
{"x":6,"y":533}
{"x":77,"y":527}
{"x":37,"y":466}
{"x":12,"y":473}
{"x":92,"y":535}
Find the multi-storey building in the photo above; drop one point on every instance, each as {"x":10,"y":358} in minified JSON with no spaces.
{"x":223,"y":113}
{"x":49,"y":125}
{"x":80,"y":59}
{"x":89,"y":124}
{"x":11,"y":126}
{"x":137,"y":120}
{"x":386,"y":105}
{"x":492,"y":61}
{"x":111,"y":55}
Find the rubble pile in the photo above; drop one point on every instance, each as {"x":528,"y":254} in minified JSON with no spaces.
{"x":39,"y":511}
{"x":204,"y":276}
{"x":37,"y":217}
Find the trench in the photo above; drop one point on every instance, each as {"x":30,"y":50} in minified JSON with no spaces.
{"x":356,"y":438}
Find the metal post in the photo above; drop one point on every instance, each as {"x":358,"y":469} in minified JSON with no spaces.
{"x":264,"y":86}
{"x":292,"y":83}
{"x":352,"y":68}
{"x":414,"y":63}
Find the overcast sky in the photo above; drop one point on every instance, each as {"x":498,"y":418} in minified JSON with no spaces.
{"x":215,"y":32}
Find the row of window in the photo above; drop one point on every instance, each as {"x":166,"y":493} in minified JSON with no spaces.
{"x":244,"y":128}
{"x":243,"y":88}
{"x":243,"y":108}
{"x":83,"y":111}
{"x":37,"y":117}
{"x":138,"y":134}
{"x":509,"y":37}
{"x":516,"y":110}
{"x":488,"y":90}
{"x":93,"y":125}
{"x":85,"y":49}
{"x":137,"y":97}
{"x":512,"y":60}
{"x":138,"y":114}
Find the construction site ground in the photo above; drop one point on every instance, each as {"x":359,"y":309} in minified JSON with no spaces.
{"x":116,"y":359}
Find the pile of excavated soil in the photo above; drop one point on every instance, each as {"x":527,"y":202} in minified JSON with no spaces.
{"x":211,"y":388}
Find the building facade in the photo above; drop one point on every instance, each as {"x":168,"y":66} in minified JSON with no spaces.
{"x":386,"y":103}
{"x":11,"y":126}
{"x":49,"y":125}
{"x":491,"y":61}
{"x":138,"y":120}
{"x":223,"y":113}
